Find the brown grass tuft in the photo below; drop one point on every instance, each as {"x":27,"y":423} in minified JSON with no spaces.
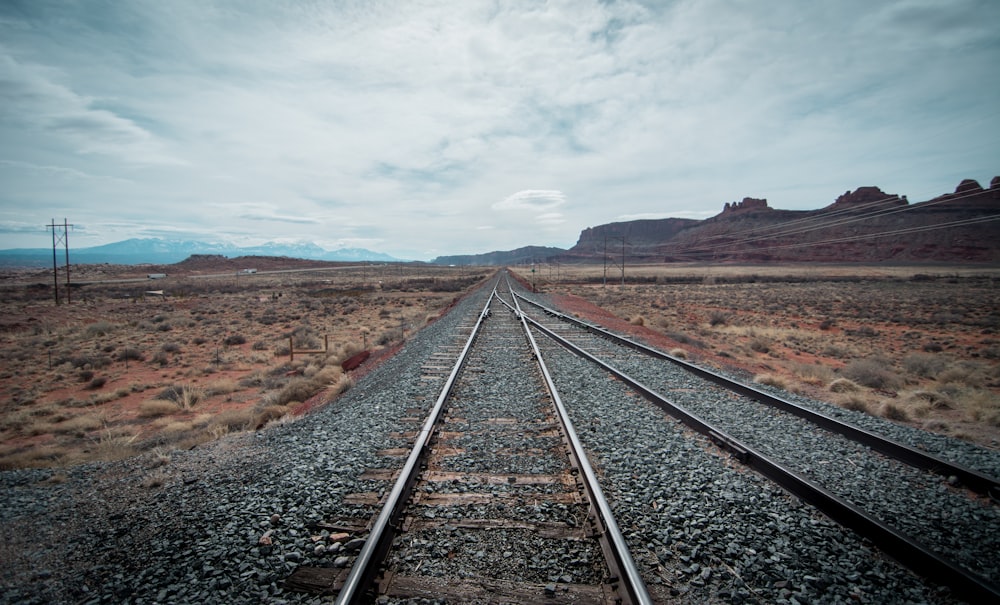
{"x":151,"y":408}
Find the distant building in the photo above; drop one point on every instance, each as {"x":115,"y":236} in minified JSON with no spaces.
{"x":248,"y":271}
{"x":156,"y":275}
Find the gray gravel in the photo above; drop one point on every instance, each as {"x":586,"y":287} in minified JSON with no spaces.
{"x":923,"y":505}
{"x":702,"y":528}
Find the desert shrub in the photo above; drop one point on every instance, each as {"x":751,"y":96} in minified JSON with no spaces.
{"x":853,"y":402}
{"x":637,"y":320}
{"x":78,"y":424}
{"x":963,"y":374}
{"x":221,"y":387}
{"x":152,"y":408}
{"x":770,"y":380}
{"x":872,"y":372}
{"x":826,"y":324}
{"x":864,"y":331}
{"x":160,"y":358}
{"x":933,"y":399}
{"x":170,"y":347}
{"x":760,"y":345}
{"x":130,"y":354}
{"x":183,"y":395}
{"x":260,"y":345}
{"x":97,"y":383}
{"x":835,"y":351}
{"x":100,"y":328}
{"x":199,"y":340}
{"x":299,"y":389}
{"x":234,"y":420}
{"x":164,"y":327}
{"x":718,"y":318}
{"x":844,"y":385}
{"x":894,"y":412}
{"x":812,"y":373}
{"x":269,"y":413}
{"x":251,"y":381}
{"x":684,"y":339}
{"x":923,"y":365}
{"x":678,"y":353}
{"x":234,"y":339}
{"x":933,"y":347}
{"x":86,"y":375}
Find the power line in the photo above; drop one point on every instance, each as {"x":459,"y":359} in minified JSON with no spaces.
{"x":56,"y":240}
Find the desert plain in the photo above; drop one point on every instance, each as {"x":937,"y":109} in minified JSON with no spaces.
{"x":131,"y":365}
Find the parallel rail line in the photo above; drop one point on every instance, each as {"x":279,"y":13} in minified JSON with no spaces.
{"x":897,"y":544}
{"x":974,"y":480}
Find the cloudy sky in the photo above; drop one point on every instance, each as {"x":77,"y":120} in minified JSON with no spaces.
{"x":423,"y":128}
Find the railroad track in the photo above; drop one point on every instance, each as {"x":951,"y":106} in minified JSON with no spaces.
{"x":496,"y":456}
{"x":492,"y":505}
{"x":882,"y":489}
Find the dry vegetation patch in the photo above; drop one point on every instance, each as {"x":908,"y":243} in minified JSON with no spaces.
{"x":121,"y":371}
{"x":915,"y":345}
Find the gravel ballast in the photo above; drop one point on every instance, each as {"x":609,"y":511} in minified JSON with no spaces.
{"x":229,"y":521}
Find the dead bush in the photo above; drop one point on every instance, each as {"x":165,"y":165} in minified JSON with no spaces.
{"x":892,"y":411}
{"x":760,"y":345}
{"x":270,"y":413}
{"x":130,"y":354}
{"x":771,"y":380}
{"x":718,"y":318}
{"x":872,"y":372}
{"x":812,"y":373}
{"x":234,"y":420}
{"x":184,"y":396}
{"x":935,"y":400}
{"x":924,"y":365}
{"x":844,"y":385}
{"x":853,"y":402}
{"x":152,"y":408}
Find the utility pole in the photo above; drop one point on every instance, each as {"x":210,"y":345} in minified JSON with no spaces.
{"x":623,"y":262}
{"x":615,"y":264}
{"x":56,"y":240}
{"x":605,"y":261}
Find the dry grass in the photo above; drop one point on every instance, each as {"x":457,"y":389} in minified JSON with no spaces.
{"x":115,"y":374}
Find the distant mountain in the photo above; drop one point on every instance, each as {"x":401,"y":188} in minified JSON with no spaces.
{"x":863,"y":226}
{"x":527,"y":254}
{"x":158,"y":251}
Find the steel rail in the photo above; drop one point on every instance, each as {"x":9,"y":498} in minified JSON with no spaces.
{"x":620,"y":559}
{"x":898,"y":545}
{"x":974,"y":480}
{"x":365,"y":568}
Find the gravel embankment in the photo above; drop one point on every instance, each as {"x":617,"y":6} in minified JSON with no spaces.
{"x":953,"y":523}
{"x":706,"y":528}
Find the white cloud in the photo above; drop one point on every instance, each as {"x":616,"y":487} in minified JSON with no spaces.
{"x":535,"y":200}
{"x":408,"y":124}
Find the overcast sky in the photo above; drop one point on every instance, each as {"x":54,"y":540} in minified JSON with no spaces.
{"x":423,"y":128}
